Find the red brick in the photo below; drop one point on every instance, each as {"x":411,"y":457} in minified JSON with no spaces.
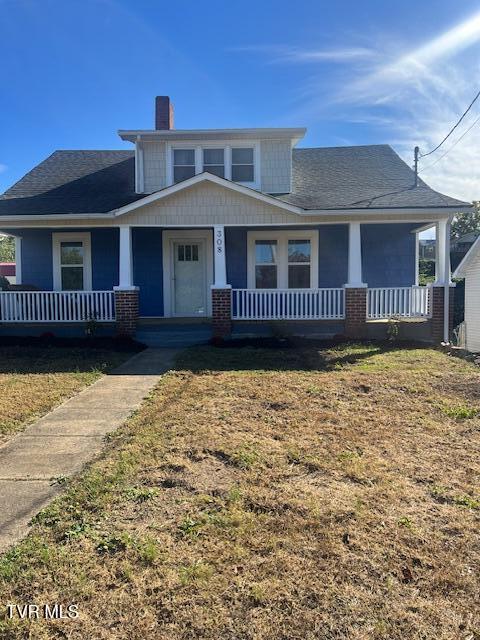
{"x":356,"y":312}
{"x":126,"y":311}
{"x":221,"y":312}
{"x":437,"y":313}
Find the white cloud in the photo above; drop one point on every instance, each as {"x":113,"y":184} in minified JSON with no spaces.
{"x":280,"y":54}
{"x":405,"y":99}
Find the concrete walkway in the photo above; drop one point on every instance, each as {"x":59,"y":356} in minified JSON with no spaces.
{"x":60,"y":443}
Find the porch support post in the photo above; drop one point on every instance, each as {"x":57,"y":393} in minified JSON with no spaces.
{"x":221,"y":291}
{"x":126,"y":294}
{"x":220,"y":259}
{"x":125,"y":265}
{"x":417,"y":258}
{"x":441,"y":261}
{"x":443,"y":290}
{"x":18,"y":260}
{"x":355,"y":279}
{"x":355,"y":288}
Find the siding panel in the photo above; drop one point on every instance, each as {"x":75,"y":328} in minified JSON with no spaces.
{"x":154,"y":166}
{"x":148,"y":269}
{"x":276,"y":166}
{"x":388,"y":255}
{"x":472,"y":306}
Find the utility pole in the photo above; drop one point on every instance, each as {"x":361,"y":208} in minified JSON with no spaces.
{"x":416,"y":151}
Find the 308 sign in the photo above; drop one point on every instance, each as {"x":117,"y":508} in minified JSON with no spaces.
{"x":219,"y":240}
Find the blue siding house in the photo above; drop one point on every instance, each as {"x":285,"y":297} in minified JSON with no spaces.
{"x":231,"y":229}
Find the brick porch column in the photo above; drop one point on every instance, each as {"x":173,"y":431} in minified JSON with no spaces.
{"x":355,"y":312}
{"x":126,"y":294}
{"x":221,"y":311}
{"x":126,"y":310}
{"x":438,"y":318}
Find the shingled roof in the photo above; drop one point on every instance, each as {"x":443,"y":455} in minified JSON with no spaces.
{"x":361,"y":177}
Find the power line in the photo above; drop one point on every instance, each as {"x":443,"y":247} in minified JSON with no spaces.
{"x":454,"y":127}
{"x":452,"y":147}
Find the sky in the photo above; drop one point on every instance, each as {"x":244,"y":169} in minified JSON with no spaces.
{"x":73,"y":72}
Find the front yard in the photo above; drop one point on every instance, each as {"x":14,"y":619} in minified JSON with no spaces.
{"x":265,"y":494}
{"x":33,"y":380}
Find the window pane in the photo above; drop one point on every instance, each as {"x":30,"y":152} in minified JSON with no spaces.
{"x":71,"y":253}
{"x":213,"y":156}
{"x":266,"y":277}
{"x":72,"y":278}
{"x":184,"y":157}
{"x":242,"y":173}
{"x":181,"y":253}
{"x":299,"y":276}
{"x":242,"y":156}
{"x":183,"y":173}
{"x":195,"y":253}
{"x":217,"y":170}
{"x":299,"y":251}
{"x":265,"y":251}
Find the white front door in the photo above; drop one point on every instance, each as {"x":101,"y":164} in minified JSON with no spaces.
{"x":189,"y":282}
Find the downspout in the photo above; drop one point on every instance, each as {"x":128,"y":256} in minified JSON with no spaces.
{"x":446,"y":288}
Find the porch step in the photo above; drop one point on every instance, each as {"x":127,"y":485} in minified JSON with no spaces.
{"x":174,"y":336}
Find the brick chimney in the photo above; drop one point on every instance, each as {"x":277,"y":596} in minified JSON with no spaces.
{"x":163,"y":113}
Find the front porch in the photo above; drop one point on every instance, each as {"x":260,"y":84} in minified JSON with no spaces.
{"x":221,"y":276}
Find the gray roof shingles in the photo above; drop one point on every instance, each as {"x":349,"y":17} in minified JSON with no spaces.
{"x":361,"y":177}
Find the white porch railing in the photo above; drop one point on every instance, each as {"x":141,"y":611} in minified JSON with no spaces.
{"x":57,"y":306}
{"x":404,"y":302}
{"x":288,"y":304}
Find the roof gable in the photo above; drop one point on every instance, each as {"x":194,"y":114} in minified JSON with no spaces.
{"x":206,"y":178}
{"x":206,"y":200}
{"x":469,"y":259}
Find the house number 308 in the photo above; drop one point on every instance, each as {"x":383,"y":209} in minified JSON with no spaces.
{"x":219,"y":241}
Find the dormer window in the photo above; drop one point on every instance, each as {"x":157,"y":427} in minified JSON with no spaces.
{"x":183,"y":164}
{"x":237,"y":161}
{"x":242,"y":164}
{"x":214,"y":161}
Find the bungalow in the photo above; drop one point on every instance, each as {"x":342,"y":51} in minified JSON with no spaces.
{"x":235,"y":228}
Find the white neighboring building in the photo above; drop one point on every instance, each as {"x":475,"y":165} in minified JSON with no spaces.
{"x":469,"y":269}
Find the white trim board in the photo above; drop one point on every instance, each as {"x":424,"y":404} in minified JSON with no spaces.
{"x":168,"y":237}
{"x":85,"y":238}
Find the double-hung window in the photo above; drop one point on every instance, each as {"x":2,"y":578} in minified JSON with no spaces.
{"x":243,"y":169}
{"x":183,"y":164}
{"x":283,"y":259}
{"x":236,"y":163}
{"x":299,"y":263}
{"x":266,"y":273}
{"x":71,"y":261}
{"x":214,"y":161}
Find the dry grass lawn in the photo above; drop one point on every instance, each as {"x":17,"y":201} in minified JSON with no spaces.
{"x":33,"y":380}
{"x":267,"y":495}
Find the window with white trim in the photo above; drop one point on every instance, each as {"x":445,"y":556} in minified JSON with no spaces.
{"x":265,"y":264}
{"x":72,"y":270}
{"x":183,"y":164}
{"x":283,"y":259}
{"x":239,"y":162}
{"x":243,"y":168}
{"x":214,"y":161}
{"x":299,"y":263}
